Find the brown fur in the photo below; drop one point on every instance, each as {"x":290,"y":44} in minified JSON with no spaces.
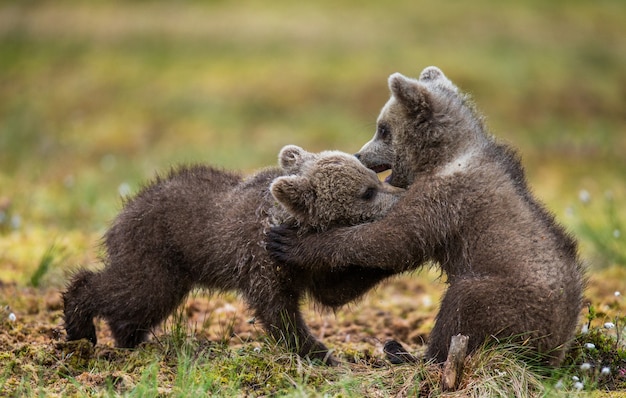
{"x":203,"y":227}
{"x":513,"y":272}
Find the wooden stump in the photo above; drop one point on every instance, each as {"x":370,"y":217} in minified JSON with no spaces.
{"x":453,"y":367}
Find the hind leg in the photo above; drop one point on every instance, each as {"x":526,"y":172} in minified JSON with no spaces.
{"x":136,"y":303}
{"x":80,"y":307}
{"x":131,"y":334}
{"x":495,"y":308}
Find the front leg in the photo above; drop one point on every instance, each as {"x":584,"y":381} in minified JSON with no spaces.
{"x":283,"y":321}
{"x":411,"y":233}
{"x":379,"y":245}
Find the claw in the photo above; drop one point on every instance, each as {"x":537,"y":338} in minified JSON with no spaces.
{"x":397,"y":354}
{"x":280,"y":242}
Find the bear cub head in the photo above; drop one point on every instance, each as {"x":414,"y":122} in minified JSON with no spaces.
{"x":330,"y":189}
{"x":426,"y":125}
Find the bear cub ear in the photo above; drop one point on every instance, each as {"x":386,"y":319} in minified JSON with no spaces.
{"x":431,"y":73}
{"x":291,"y":158}
{"x":294,"y":193}
{"x":414,"y":96}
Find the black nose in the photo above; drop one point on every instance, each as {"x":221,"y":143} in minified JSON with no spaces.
{"x":357,"y":155}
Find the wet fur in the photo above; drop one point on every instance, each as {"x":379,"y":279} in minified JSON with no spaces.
{"x":513,"y":271}
{"x":203,"y":227}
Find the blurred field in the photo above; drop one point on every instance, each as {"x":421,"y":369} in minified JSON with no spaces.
{"x":101,"y":93}
{"x":96,"y":97}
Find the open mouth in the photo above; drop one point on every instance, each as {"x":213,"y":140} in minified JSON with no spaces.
{"x":379,"y":168}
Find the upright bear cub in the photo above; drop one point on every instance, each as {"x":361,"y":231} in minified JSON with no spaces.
{"x":203,"y":227}
{"x":513,"y":272}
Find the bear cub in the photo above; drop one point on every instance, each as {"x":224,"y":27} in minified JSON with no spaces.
{"x":204,"y":227}
{"x":513,"y":272}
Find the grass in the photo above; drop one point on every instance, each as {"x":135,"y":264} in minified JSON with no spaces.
{"x":96,"y":97}
{"x":46,"y":263}
{"x":601,"y":225}
{"x":194,"y":366}
{"x":180,"y":360}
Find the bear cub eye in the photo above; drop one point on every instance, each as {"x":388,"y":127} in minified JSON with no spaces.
{"x":383,"y":131}
{"x":369,"y":194}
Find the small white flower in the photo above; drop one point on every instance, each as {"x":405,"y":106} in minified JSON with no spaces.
{"x":578,"y":385}
{"x":590,"y":346}
{"x":605,"y":371}
{"x":16,"y":221}
{"x":257,"y":349}
{"x":585,"y":366}
{"x":616,"y":233}
{"x":584,"y":329}
{"x":617,"y":294}
{"x":584,"y":196}
{"x":12,"y":317}
{"x":609,"y":325}
{"x":575,"y":378}
{"x":559,"y":384}
{"x":124,"y":189}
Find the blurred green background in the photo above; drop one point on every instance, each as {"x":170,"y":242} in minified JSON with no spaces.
{"x":95,"y":97}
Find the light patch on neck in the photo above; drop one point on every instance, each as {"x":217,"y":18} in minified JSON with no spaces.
{"x":460,"y":164}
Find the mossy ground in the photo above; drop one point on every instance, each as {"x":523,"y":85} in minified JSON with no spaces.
{"x":211,"y":346}
{"x":96,"y":97}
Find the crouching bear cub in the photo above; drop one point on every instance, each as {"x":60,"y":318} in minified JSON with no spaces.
{"x":204,"y":227}
{"x":512,"y":271}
